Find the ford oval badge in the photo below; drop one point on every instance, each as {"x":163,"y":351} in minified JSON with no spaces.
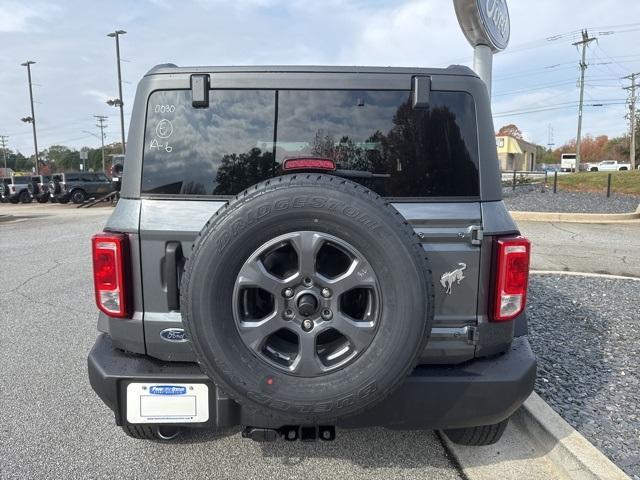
{"x":174,"y":335}
{"x":167,"y":390}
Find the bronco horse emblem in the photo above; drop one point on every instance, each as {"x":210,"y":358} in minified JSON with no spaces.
{"x":457,"y":275}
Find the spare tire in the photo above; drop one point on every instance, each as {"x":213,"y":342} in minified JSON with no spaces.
{"x":307,"y":298}
{"x":54,"y":187}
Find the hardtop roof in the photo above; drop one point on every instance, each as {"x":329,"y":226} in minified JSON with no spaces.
{"x":169,"y":68}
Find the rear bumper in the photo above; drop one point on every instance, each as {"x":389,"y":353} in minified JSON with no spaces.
{"x":479,"y":392}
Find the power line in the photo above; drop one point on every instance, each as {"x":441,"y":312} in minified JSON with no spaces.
{"x":559,"y":106}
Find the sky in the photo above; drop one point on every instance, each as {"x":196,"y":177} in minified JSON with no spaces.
{"x":75,"y":70}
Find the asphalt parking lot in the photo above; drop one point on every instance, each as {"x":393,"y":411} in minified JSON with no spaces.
{"x":53,"y":425}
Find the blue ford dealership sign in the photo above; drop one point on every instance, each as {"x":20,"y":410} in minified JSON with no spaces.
{"x":484,"y":22}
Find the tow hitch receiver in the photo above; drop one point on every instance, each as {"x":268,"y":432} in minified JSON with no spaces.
{"x":291,"y":433}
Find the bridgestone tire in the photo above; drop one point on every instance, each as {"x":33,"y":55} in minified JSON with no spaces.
{"x":477,"y":436}
{"x":154,"y":433}
{"x":332,"y":206}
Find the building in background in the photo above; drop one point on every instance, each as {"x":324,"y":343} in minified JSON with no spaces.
{"x":515,"y":154}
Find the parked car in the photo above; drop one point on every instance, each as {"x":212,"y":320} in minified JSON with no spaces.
{"x":353,"y":267}
{"x":3,"y":182}
{"x":79,"y":187}
{"x":607,"y":166}
{"x":39,"y":187}
{"x":117,"y":169}
{"x":15,"y":189}
{"x":549,"y":167}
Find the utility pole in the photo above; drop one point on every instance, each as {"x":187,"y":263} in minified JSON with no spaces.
{"x":119,"y":102}
{"x":32,"y":119}
{"x":101,"y":125}
{"x":550,"y":137}
{"x":632,"y":117}
{"x":586,"y":40}
{"x":3,"y":142}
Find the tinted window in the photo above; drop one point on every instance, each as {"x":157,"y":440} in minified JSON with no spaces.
{"x":72,"y":178}
{"x":101,"y":177}
{"x":88,"y":178}
{"x":17,"y":180}
{"x":375,"y":138}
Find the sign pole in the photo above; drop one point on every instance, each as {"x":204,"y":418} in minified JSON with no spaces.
{"x":483,"y":64}
{"x":487,"y":27}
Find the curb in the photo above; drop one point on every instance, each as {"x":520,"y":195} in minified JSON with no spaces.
{"x":577,"y":217}
{"x":584,"y":274}
{"x":571,"y":452}
{"x":537,"y":444}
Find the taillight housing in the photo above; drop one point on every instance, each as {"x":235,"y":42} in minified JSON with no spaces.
{"x":110,"y":253}
{"x":511,"y":277}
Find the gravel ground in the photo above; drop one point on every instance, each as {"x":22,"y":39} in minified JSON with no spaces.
{"x":533,"y":199}
{"x":588,"y":352}
{"x":52,"y":425}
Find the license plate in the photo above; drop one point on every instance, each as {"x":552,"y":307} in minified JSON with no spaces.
{"x":167,"y":403}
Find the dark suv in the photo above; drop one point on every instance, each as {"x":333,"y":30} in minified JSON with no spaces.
{"x":303,"y":248}
{"x":78,"y":186}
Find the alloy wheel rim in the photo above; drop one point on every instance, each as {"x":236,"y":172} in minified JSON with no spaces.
{"x":307,"y":303}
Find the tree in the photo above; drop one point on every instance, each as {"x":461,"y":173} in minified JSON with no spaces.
{"x":510,"y":130}
{"x":596,"y":149}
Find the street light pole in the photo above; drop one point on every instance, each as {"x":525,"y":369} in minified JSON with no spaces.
{"x":28,"y":64}
{"x":101,"y":125}
{"x":116,"y":35}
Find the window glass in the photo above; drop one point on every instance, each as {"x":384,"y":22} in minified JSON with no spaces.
{"x":374,"y":137}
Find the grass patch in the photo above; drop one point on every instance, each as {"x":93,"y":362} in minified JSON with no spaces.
{"x":621,"y":182}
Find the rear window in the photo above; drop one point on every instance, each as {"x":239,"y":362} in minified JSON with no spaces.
{"x":21,"y":180}
{"x":375,"y":138}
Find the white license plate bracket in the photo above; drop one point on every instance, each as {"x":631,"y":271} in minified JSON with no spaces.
{"x":160,"y":403}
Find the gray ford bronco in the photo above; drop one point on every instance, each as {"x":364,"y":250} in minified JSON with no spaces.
{"x":303,"y":248}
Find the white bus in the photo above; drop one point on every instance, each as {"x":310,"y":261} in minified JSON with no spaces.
{"x":567,"y":162}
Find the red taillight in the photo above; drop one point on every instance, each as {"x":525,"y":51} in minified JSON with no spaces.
{"x":308,"y":163}
{"x":12,"y":188}
{"x":110,"y":273}
{"x":511,"y":277}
